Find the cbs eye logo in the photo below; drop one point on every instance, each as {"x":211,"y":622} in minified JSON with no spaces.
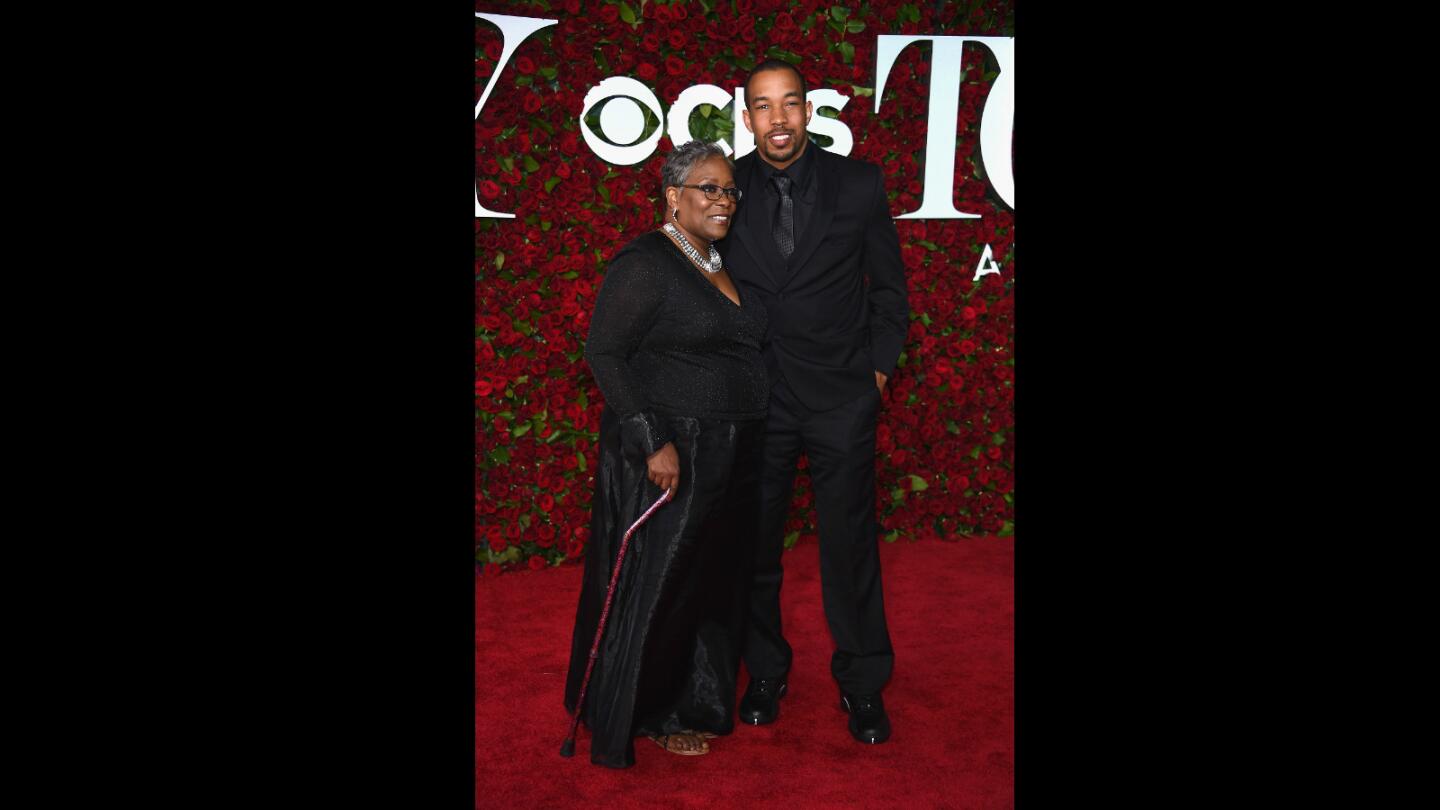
{"x":629,"y":121}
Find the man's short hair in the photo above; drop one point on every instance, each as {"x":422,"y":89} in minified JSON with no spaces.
{"x":774,"y":64}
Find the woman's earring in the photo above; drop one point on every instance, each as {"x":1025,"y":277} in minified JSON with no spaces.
{"x":675,"y":214}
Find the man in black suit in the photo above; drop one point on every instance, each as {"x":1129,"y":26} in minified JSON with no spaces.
{"x":813,"y":228}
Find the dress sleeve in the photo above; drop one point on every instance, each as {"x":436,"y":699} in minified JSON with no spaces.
{"x":626,"y":309}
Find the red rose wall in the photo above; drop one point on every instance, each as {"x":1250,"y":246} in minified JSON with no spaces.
{"x":945,"y":434}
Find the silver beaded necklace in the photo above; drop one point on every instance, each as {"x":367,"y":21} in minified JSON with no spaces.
{"x":714,"y":265}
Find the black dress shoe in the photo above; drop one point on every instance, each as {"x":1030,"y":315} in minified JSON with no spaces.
{"x":761,"y":703}
{"x":868,"y":722}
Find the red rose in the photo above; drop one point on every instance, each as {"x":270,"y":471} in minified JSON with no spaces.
{"x":677,"y":38}
{"x":609,"y":14}
{"x":492,"y":569}
{"x":647,"y":72}
{"x":674,"y":66}
{"x":572,"y":7}
{"x":489,"y":189}
{"x":532,"y":104}
{"x":537,"y":562}
{"x":525,"y":65}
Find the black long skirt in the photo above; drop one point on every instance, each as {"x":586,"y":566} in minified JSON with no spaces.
{"x":670,"y":656}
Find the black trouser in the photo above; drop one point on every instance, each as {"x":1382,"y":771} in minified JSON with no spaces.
{"x":840,"y":446}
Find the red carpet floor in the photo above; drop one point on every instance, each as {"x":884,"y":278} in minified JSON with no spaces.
{"x":951,"y":611}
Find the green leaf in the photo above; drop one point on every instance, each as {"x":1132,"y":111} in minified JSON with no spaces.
{"x":839,"y":13}
{"x":791,"y":539}
{"x":552,"y":183}
{"x":501,"y":455}
{"x":626,"y":13}
{"x":976,"y":452}
{"x":847,"y":52}
{"x":580,"y":461}
{"x":862,"y":91}
{"x":520,"y":429}
{"x":548,"y":72}
{"x":998,"y":439}
{"x":582,"y":400}
{"x":507,"y":163}
{"x":917,"y":484}
{"x":604,"y":192}
{"x":991,"y":75}
{"x":854,"y":26}
{"x":925,"y":318}
{"x":570,"y":275}
{"x":530,"y":164}
{"x":892,"y":535}
{"x":1007,"y":528}
{"x":499,"y":261}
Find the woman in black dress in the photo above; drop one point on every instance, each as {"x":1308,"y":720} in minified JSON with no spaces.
{"x":675,"y":350}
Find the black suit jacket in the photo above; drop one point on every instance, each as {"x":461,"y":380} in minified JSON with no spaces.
{"x":829,"y":331}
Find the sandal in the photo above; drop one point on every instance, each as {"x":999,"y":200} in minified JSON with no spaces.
{"x":681,"y":743}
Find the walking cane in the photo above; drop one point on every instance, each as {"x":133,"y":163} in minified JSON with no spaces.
{"x":567,"y":748}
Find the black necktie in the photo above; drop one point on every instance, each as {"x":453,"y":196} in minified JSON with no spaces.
{"x":784,"y":216}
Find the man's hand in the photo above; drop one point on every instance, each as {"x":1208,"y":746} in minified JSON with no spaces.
{"x":664,"y":467}
{"x":880,"y":380}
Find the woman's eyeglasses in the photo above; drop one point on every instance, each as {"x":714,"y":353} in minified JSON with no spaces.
{"x":713,"y":192}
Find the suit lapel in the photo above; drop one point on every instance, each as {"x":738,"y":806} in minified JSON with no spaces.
{"x":755,"y":237}
{"x":827,"y":194}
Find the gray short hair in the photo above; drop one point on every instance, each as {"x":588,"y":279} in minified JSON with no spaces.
{"x":684,"y":158}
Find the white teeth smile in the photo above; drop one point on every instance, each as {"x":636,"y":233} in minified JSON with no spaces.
{"x":780,"y":140}
{"x":720,"y":218}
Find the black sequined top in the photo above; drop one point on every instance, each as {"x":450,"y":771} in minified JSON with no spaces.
{"x":665,"y":341}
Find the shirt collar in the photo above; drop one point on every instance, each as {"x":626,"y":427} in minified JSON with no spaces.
{"x":800,"y":172}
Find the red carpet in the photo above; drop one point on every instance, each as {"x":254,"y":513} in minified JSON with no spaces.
{"x":951,"y":700}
